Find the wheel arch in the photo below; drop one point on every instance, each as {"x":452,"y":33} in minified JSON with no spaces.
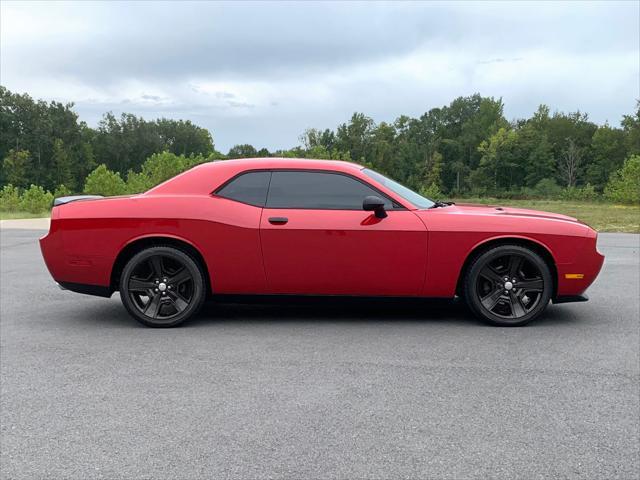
{"x":138,"y":244}
{"x":535,"y":245}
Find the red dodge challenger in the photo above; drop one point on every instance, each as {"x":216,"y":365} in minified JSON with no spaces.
{"x":275,"y":226}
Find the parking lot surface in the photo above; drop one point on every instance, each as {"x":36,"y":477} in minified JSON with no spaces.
{"x":317,"y":389}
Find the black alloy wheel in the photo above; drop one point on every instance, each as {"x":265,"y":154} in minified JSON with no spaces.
{"x":508,"y":285}
{"x":162,"y":286}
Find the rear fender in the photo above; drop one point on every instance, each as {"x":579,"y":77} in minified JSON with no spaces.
{"x":128,"y":248}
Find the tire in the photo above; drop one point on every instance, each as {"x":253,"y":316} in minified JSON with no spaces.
{"x":492,"y":294}
{"x":162,"y":286}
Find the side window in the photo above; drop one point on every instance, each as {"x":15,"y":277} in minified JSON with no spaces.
{"x":318,"y":190}
{"x":248,"y":188}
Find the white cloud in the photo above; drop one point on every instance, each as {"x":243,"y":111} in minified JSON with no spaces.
{"x":263,"y":72}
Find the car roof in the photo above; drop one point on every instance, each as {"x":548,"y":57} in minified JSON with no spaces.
{"x":203,"y":178}
{"x":282,"y":162}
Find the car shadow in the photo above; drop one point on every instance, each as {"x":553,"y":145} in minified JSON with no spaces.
{"x":301,"y":310}
{"x":331,"y":310}
{"x":360,"y":310}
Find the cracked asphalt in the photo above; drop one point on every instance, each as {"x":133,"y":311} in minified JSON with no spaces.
{"x":329,"y":389}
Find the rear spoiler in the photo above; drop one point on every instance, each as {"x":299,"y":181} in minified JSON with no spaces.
{"x":74,"y":198}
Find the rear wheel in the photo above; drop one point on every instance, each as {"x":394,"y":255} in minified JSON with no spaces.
{"x":162,"y":286}
{"x":508,"y":285}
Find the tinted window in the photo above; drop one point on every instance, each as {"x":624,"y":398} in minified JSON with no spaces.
{"x":249,"y":188}
{"x":316,"y":190}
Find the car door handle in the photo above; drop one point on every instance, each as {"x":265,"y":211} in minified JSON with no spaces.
{"x":278,"y":220}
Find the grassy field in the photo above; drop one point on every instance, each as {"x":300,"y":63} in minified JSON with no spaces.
{"x":602,"y":216}
{"x":17,"y":215}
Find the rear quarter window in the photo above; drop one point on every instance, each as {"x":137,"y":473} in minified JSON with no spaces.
{"x":250,"y":188}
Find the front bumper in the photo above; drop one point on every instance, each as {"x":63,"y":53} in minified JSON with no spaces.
{"x":571,"y":298}
{"x":574,"y":278}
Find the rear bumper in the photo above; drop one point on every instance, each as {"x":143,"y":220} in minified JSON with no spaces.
{"x":96,"y":290}
{"x":78,"y":267}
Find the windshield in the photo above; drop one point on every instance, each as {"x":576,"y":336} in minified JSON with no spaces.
{"x":406,"y":193}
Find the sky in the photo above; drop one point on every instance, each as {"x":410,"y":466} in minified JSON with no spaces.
{"x":261,"y":73}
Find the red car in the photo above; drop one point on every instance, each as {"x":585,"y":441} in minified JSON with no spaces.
{"x":274,"y":226}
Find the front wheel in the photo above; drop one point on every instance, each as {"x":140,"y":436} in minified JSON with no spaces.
{"x":508,"y":285}
{"x":162,"y":286}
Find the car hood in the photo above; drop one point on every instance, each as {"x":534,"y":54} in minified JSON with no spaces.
{"x":496,"y":210}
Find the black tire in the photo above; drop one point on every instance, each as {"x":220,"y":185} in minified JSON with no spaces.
{"x":162,"y":286}
{"x":495,"y":298}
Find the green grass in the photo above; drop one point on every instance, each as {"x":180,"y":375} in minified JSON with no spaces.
{"x":19,"y":215}
{"x":604,"y":217}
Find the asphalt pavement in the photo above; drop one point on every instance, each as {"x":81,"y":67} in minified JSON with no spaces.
{"x":318,"y":389}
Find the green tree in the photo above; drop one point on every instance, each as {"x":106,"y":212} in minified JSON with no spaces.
{"x":534,"y":149}
{"x":537,"y":154}
{"x":9,"y":198}
{"x":432,"y":192}
{"x":162,"y":166}
{"x":631,"y":127}
{"x":547,"y":188}
{"x":355,"y":137}
{"x":61,"y":191}
{"x":103,"y":181}
{"x":183,"y":137}
{"x":36,"y":199}
{"x":242,"y":151}
{"x":124,"y":143}
{"x":138,"y":182}
{"x":608,"y":149}
{"x":312,"y":137}
{"x":570,"y":137}
{"x":34,"y":126}
{"x":16,"y":165}
{"x":433,"y":174}
{"x":62,"y":164}
{"x":624,"y":185}
{"x":498,"y":161}
{"x":382,"y":149}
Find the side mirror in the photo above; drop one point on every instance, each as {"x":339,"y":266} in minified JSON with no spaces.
{"x":374,"y":204}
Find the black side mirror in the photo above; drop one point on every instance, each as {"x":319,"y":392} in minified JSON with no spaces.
{"x":374,"y":204}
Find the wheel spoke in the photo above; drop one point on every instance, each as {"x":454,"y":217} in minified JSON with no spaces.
{"x":517,"y":308}
{"x":533,"y":285}
{"x":515,"y":265}
{"x":156,"y":265}
{"x":488,"y":273}
{"x":153,"y":307}
{"x":137,"y":285}
{"x":490,"y":301}
{"x":182,"y":276}
{"x":177,"y":300}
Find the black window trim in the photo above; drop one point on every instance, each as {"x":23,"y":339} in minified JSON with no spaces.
{"x":395,"y":205}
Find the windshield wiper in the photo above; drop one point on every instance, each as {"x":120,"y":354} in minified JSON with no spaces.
{"x":439,"y":204}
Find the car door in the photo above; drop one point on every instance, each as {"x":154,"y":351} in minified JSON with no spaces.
{"x":317,"y":239}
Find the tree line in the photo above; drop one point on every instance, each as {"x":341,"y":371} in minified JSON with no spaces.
{"x":465,"y":148}
{"x":45,"y":143}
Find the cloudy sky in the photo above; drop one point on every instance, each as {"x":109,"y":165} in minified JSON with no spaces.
{"x":262,"y":72}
